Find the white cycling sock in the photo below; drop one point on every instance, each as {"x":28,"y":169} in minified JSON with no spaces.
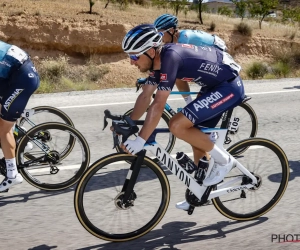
{"x":188,"y":99}
{"x":219,"y":156}
{"x":11,"y":168}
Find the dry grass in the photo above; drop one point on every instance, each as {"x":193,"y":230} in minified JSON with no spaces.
{"x":73,"y":10}
{"x":59,"y":75}
{"x":114,"y":70}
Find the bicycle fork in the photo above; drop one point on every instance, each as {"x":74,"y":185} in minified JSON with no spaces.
{"x":126,"y":198}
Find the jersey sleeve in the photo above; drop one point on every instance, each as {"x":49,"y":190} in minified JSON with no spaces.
{"x":153,"y":78}
{"x":170,"y":64}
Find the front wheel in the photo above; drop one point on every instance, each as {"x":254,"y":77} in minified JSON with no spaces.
{"x":269,"y":164}
{"x":99,"y":192}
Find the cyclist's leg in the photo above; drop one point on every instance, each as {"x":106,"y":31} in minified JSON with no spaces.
{"x":198,"y":154}
{"x":183,"y":86}
{"x":204,"y":108}
{"x":21,"y":85}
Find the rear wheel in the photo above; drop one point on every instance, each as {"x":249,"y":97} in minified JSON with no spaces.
{"x":46,"y":159}
{"x":43,"y":114}
{"x":243,"y":124}
{"x":268,"y":162}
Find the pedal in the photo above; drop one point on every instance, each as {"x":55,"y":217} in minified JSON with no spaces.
{"x":190,"y":210}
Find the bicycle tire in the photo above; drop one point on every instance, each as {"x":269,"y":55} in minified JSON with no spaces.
{"x":172,"y":139}
{"x":254,"y":125}
{"x":102,"y":163}
{"x":62,"y":115}
{"x":77,"y":137}
{"x":261,"y":142}
{"x":48,"y":109}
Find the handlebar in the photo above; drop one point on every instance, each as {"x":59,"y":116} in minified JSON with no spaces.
{"x":122,"y":125}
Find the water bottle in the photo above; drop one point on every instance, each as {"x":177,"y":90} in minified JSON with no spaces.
{"x":213,"y":137}
{"x":202,"y":169}
{"x":185,"y":162}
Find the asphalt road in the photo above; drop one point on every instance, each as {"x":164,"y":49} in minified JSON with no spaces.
{"x":33,"y":219}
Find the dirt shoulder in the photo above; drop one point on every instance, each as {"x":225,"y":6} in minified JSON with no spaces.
{"x":52,"y":28}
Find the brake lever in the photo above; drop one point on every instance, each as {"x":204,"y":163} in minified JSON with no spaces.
{"x":105,"y":123}
{"x":138,"y":86}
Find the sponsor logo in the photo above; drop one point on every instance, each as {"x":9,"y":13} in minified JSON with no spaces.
{"x":190,"y":46}
{"x":200,"y":104}
{"x":5,"y":63}
{"x":164,"y":88}
{"x":188,"y":115}
{"x":174,"y":167}
{"x":197,"y":81}
{"x":152,"y":73}
{"x":236,"y":189}
{"x":211,"y":69}
{"x":31,"y":75}
{"x":10,"y":99}
{"x":186,"y":79}
{"x":163,"y":77}
{"x":222,"y":101}
{"x":150,"y":82}
{"x":205,"y":48}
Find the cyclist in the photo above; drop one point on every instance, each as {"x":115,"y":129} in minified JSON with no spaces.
{"x":209,"y":67}
{"x":167,"y":24}
{"x":18,"y":81}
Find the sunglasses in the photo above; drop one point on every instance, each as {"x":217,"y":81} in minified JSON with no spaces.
{"x":135,"y":57}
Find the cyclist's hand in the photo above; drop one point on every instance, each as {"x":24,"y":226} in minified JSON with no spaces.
{"x":133,"y":146}
{"x":112,"y":129}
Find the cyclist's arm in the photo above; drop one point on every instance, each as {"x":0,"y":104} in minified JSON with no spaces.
{"x":143,"y":101}
{"x":154,"y":113}
{"x":170,"y":63}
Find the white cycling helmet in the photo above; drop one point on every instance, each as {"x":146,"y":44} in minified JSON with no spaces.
{"x":141,"y":38}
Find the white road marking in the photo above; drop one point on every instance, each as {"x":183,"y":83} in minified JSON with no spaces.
{"x":62,"y":167}
{"x":173,"y":99}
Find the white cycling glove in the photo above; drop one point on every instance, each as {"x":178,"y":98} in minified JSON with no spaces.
{"x":135,"y":146}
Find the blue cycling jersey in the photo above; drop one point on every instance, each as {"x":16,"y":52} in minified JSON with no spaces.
{"x":204,"y":65}
{"x":10,"y":57}
{"x":200,"y":38}
{"x":196,"y":37}
{"x":18,"y":81}
{"x":4,"y":65}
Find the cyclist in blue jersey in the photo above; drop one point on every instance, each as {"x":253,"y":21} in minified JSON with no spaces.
{"x":167,"y":24}
{"x":18,"y":81}
{"x":214,"y":70}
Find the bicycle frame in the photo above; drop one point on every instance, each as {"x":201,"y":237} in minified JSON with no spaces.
{"x":27,"y":113}
{"x":199,"y":190}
